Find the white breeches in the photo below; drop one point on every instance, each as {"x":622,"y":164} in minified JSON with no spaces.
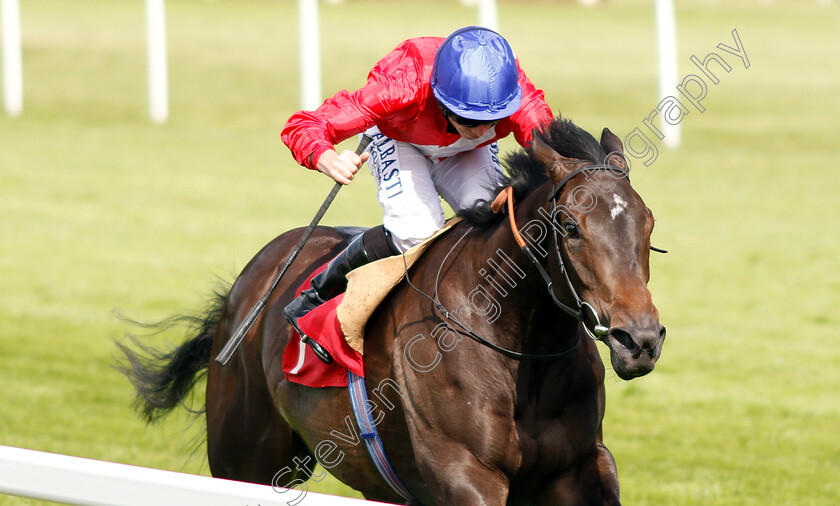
{"x":408,"y":185}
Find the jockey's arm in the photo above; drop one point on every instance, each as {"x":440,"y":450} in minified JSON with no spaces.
{"x":312,"y":135}
{"x":533,"y":111}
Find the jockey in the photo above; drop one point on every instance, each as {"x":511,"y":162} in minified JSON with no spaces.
{"x":435,"y":108}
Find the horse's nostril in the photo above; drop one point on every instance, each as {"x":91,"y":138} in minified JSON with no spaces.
{"x":623,"y":338}
{"x":662,"y":332}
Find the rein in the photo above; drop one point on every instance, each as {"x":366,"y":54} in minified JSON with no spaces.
{"x":472,"y":335}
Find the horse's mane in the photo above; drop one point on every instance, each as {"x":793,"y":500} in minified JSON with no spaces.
{"x":525,"y":174}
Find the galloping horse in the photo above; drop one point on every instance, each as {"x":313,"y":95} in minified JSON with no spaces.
{"x":489,"y":388}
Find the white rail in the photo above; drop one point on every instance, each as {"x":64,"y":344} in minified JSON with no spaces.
{"x":666,"y":50}
{"x":157,"y":65}
{"x":74,"y":480}
{"x":309,"y":42}
{"x":12,"y":58}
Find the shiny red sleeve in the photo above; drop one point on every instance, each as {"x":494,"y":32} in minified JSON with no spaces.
{"x":310,"y":133}
{"x":392,"y":85}
{"x":533,"y":111}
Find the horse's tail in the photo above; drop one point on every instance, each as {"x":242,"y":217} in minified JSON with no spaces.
{"x":164,"y":378}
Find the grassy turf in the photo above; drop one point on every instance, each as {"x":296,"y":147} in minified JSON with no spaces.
{"x":99,"y":209}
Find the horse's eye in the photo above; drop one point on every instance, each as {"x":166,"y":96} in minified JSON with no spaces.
{"x":571,"y":229}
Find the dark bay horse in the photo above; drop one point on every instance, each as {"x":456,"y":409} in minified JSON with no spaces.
{"x":464,"y":423}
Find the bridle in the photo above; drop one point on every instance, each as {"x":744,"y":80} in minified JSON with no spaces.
{"x":580,"y":307}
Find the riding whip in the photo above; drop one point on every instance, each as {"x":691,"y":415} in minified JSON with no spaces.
{"x":236,"y":339}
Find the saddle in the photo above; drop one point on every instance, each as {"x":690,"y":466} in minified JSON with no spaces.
{"x":339,"y":324}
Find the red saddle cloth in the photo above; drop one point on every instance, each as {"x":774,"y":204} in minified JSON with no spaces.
{"x":301,"y":365}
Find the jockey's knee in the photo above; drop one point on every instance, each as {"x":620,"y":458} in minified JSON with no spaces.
{"x":410,"y":229}
{"x":404,"y":242}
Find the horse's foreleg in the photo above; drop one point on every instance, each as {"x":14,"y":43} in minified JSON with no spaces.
{"x":594,"y":480}
{"x":455,"y":476}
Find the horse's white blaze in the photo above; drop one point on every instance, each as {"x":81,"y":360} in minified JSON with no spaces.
{"x":618,"y":207}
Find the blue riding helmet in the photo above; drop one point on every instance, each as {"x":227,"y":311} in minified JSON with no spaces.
{"x":475,"y":75}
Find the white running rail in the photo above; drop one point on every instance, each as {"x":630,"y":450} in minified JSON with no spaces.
{"x":74,"y":480}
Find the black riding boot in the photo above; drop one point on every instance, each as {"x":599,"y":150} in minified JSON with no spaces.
{"x":373,"y":244}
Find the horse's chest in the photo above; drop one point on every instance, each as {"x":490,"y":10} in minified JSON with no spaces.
{"x":557,"y":443}
{"x":554,"y":432}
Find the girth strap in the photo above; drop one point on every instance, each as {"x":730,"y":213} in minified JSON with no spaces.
{"x":370,"y":435}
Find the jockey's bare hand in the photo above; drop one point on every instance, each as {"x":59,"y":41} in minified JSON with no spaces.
{"x":341,"y":167}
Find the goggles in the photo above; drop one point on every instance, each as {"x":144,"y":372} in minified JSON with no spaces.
{"x":469,"y":123}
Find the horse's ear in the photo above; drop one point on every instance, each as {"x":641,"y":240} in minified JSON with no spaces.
{"x":615,"y":150}
{"x":558,"y":166}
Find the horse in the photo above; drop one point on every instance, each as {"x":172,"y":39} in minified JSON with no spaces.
{"x":481,"y":366}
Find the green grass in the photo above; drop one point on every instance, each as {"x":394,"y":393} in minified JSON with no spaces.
{"x":99,"y":209}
